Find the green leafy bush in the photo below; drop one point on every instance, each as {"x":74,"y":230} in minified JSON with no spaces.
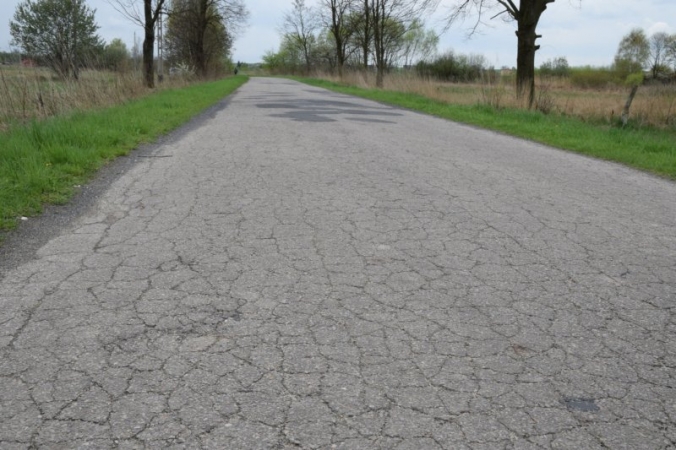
{"x":595,"y":77}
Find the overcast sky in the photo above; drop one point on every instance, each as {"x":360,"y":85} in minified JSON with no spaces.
{"x":586,"y":32}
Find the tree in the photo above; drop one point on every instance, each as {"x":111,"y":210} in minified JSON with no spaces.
{"x":527,"y":15}
{"x":390,"y":20}
{"x":632,"y":53}
{"x":287,"y":60}
{"x":336,"y":16}
{"x":200,"y":32}
{"x":671,"y":51}
{"x":136,"y":53}
{"x":393,"y":35}
{"x":659,"y":53}
{"x":363,"y":25}
{"x":558,"y":67}
{"x":300,"y":23}
{"x":116,"y":56}
{"x":151,"y":13}
{"x":451,"y":66}
{"x":61,"y":33}
{"x":418,"y":44}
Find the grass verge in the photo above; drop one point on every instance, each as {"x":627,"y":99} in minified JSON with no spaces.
{"x":652,"y":150}
{"x":42,"y":162}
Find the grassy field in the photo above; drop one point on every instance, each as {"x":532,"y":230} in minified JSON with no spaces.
{"x":42,"y":161}
{"x":643,"y":147}
{"x":37,"y":93}
{"x":654,"y":106}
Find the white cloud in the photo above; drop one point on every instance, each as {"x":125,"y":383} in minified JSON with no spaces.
{"x":659,"y":27}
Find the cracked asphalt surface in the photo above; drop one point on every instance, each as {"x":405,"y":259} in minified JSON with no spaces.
{"x":310,"y":270}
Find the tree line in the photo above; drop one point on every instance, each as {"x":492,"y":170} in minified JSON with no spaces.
{"x":62,"y":34}
{"x":336,"y":34}
{"x":375,"y":30}
{"x":638,"y":51}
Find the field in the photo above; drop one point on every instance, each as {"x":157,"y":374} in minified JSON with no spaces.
{"x":654,"y":106}
{"x":36,"y":93}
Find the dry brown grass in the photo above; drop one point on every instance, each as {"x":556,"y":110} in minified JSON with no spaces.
{"x":34,"y":93}
{"x":653,"y":105}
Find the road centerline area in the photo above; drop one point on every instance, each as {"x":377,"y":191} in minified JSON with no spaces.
{"x":312,"y":270}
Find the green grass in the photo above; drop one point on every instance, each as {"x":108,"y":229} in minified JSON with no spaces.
{"x":42,"y":162}
{"x":648,"y":149}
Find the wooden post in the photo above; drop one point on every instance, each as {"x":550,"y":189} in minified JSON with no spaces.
{"x":627,"y":105}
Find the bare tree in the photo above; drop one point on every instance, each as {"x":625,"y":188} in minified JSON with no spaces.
{"x":300,"y":23}
{"x":418,"y":44}
{"x":148,"y":20}
{"x":391,"y":19}
{"x":361,"y":21}
{"x":527,"y":15}
{"x":336,"y":16}
{"x":671,"y":51}
{"x":659,"y":53}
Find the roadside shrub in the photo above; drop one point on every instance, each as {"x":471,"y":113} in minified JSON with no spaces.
{"x":595,"y":78}
{"x":454,"y":67}
{"x":558,"y":67}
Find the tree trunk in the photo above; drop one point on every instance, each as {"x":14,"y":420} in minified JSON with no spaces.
{"x":378,"y":15}
{"x":337,"y":24}
{"x":202,"y":25}
{"x":74,"y":53}
{"x":200,"y":58}
{"x":525,"y":62}
{"x":149,"y":45}
{"x":365,"y":56}
{"x":367,"y":34}
{"x":341,"y":63}
{"x":527,"y":18}
{"x":148,"y":59}
{"x":627,"y":105}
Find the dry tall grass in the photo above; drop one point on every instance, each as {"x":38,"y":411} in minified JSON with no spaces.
{"x":653,"y":105}
{"x":34,"y":93}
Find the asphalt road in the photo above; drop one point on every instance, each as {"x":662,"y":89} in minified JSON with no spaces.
{"x":310,"y":270}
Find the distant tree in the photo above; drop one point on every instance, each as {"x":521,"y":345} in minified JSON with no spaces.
{"x":418,"y":44}
{"x":288,"y":59}
{"x":390,"y":20}
{"x":116,"y":56}
{"x":324,"y":54}
{"x":527,"y":16}
{"x":61,"y":33}
{"x":300,"y":24}
{"x":200,"y":32}
{"x":136,"y":53}
{"x":633,"y":53}
{"x":362,"y":22}
{"x":336,"y":16}
{"x":451,"y":66}
{"x":393,"y":38}
{"x":558,"y":67}
{"x":148,"y":20}
{"x":671,"y":51}
{"x":659,"y":44}
{"x":12,"y":57}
